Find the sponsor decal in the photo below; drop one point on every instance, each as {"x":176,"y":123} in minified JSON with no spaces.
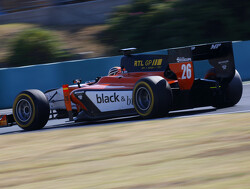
{"x":223,"y":64}
{"x":80,"y":97}
{"x":107,"y":99}
{"x":215,"y":46}
{"x":148,"y":64}
{"x":224,"y":67}
{"x":183,"y":59}
{"x":111,"y":100}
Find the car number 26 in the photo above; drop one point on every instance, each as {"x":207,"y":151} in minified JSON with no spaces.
{"x":186,"y":71}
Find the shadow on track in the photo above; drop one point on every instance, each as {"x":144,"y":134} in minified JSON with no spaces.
{"x":120,"y":120}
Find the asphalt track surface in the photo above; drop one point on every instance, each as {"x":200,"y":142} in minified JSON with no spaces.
{"x":242,"y":106}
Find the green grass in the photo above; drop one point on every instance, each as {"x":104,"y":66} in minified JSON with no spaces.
{"x":200,"y":152}
{"x":76,"y":39}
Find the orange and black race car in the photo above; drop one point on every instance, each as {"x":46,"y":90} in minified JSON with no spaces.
{"x":143,"y":84}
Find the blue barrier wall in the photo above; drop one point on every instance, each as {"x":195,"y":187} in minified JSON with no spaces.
{"x":49,"y":76}
{"x":242,"y":58}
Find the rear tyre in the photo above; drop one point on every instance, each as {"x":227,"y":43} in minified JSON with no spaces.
{"x":152,"y":97}
{"x":31,"y":110}
{"x":231,"y":93}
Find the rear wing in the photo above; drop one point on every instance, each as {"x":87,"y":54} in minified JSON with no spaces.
{"x":219,"y":56}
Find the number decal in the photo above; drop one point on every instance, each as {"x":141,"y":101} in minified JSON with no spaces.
{"x":186,"y":71}
{"x":189,"y":72}
{"x":185,"y":74}
{"x":183,"y":68}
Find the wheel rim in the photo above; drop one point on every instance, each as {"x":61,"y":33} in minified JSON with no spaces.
{"x":143,"y":98}
{"x":23,"y":110}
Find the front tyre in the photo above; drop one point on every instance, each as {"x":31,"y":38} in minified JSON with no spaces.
{"x":31,"y":110}
{"x":152,"y":97}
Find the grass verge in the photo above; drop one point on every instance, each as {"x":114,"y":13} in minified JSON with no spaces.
{"x":83,"y":41}
{"x":199,"y":152}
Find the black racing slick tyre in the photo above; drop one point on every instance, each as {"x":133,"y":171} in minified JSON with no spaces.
{"x":31,"y":110}
{"x":152,"y":97}
{"x":231,"y":93}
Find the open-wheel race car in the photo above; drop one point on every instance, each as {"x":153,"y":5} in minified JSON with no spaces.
{"x":147,"y":85}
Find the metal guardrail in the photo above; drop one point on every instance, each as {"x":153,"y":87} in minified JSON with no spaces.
{"x":32,"y":4}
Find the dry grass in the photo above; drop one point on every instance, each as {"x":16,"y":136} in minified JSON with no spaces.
{"x":8,"y":32}
{"x":81,"y":39}
{"x":201,"y":152}
{"x":77,"y":39}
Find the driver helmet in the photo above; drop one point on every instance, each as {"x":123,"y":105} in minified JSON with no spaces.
{"x":114,"y":71}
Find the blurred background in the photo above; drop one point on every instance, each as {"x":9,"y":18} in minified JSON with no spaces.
{"x":9,"y":6}
{"x":44,"y":31}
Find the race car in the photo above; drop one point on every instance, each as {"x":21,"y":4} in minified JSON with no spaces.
{"x":147,"y":85}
